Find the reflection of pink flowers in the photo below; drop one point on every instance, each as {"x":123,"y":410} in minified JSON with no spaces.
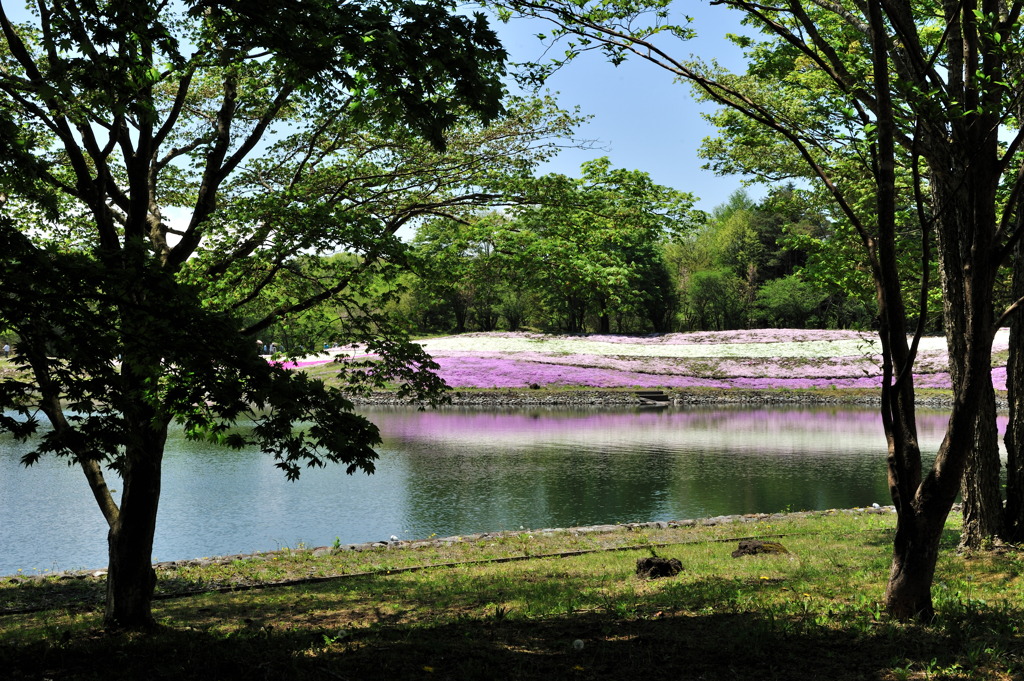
{"x":458,"y":424}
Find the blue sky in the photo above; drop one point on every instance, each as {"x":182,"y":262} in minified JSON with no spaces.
{"x":642,"y":118}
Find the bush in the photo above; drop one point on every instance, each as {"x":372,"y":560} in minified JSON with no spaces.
{"x":788,"y":302}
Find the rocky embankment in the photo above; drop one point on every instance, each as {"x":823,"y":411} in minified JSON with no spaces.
{"x":500,"y":398}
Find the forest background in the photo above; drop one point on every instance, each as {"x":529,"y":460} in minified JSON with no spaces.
{"x":615,"y":253}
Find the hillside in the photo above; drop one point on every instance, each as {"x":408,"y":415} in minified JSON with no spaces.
{"x":752,"y":360}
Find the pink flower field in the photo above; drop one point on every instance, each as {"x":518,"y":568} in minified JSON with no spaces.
{"x":751,"y":359}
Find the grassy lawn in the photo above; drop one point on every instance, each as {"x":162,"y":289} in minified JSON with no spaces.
{"x":564,"y":605}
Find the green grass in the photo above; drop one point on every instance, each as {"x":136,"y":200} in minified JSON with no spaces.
{"x":553,"y":605}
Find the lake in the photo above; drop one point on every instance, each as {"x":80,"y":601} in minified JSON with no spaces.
{"x":458,"y":471}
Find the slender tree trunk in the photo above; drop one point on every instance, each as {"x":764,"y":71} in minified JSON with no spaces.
{"x":908,"y":592}
{"x":576,"y":315}
{"x":131,"y":578}
{"x":461,"y":310}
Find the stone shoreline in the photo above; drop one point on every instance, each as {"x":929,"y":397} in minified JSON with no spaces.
{"x":720,"y":396}
{"x":597,"y":529}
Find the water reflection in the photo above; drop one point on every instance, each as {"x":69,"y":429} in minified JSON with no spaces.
{"x":560,"y":468}
{"x":461,"y":471}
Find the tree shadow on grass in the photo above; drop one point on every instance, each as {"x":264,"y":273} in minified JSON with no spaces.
{"x":456,"y":625}
{"x":950,"y":539}
{"x":723,"y":646}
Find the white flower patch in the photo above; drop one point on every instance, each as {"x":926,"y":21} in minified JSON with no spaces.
{"x":568,"y":345}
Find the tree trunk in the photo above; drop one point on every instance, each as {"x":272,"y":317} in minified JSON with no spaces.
{"x":1014,"y":440}
{"x":965,"y":187}
{"x":982,"y":495}
{"x":970,"y":344}
{"x":130,"y":575}
{"x":908,"y":594}
{"x":920,"y":522}
{"x":922,"y":504}
{"x":915,"y":549}
{"x":576,"y":315}
{"x":461,"y":311}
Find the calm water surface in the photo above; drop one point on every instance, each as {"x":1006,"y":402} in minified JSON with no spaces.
{"x":457,"y":472}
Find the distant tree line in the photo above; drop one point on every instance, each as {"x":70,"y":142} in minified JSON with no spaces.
{"x":613,"y":252}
